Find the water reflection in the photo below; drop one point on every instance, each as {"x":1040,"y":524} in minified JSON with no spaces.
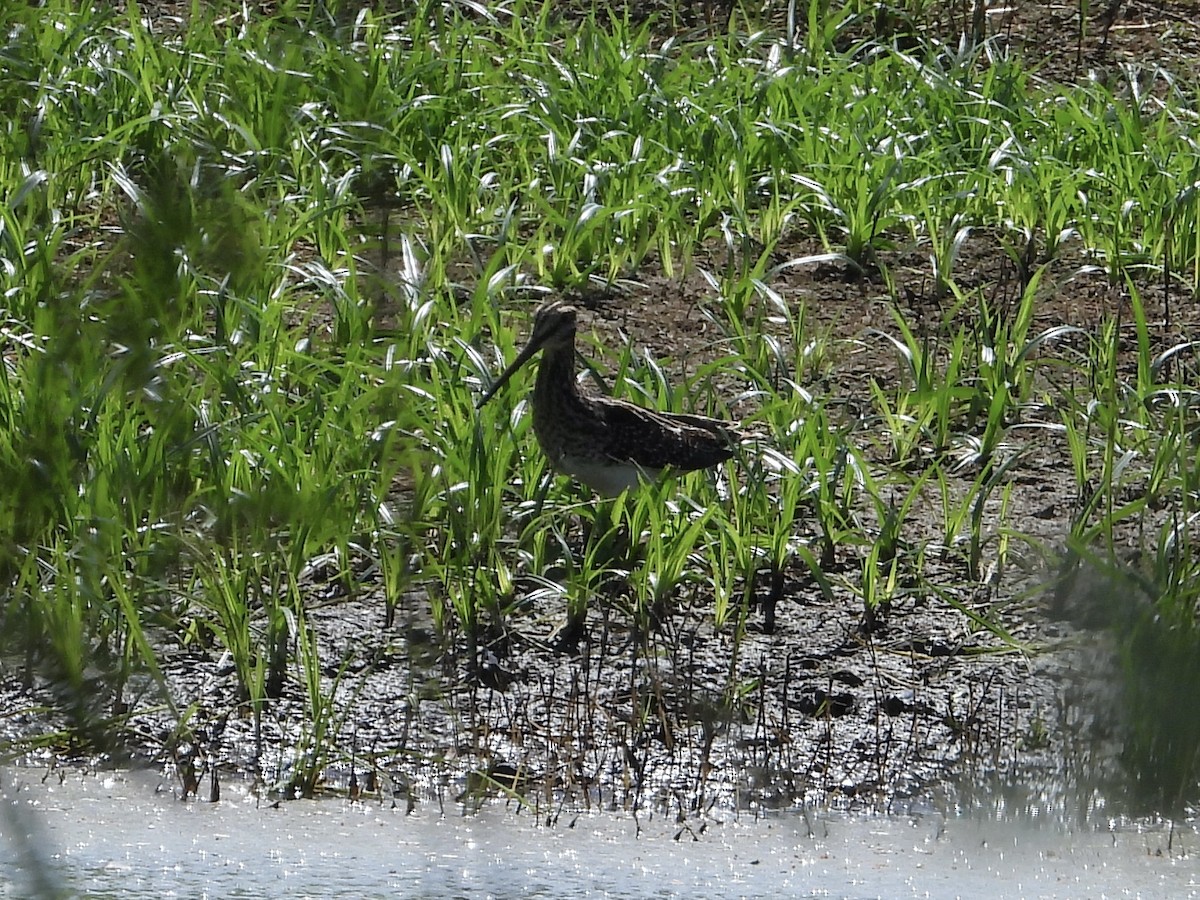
{"x":117,"y":835}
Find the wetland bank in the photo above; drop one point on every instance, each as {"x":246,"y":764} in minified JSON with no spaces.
{"x":259,"y":265}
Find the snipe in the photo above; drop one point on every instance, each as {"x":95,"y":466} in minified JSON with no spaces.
{"x":607,"y":444}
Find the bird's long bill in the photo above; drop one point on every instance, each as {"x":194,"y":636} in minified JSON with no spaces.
{"x":522,"y":358}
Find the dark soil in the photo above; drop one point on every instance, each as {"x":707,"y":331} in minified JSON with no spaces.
{"x":824,"y":706}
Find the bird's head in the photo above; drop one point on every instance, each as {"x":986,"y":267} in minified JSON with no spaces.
{"x":553,"y":329}
{"x":553,"y":326}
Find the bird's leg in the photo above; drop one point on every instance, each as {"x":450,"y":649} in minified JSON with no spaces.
{"x":568,"y":637}
{"x":604,"y":564}
{"x":605,"y":539}
{"x":592,"y":527}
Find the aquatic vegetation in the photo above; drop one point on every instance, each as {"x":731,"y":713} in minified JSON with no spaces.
{"x":257,"y":269}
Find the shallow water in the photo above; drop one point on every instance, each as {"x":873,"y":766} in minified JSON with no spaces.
{"x":117,"y":834}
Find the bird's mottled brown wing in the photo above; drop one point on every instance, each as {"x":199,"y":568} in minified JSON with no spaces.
{"x":655,"y":440}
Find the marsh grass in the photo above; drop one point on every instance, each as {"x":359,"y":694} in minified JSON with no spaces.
{"x":237,"y":348}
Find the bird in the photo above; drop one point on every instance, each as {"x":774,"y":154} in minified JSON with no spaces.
{"x":607,"y":444}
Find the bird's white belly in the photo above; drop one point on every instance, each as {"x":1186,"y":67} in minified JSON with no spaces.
{"x":608,"y":478}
